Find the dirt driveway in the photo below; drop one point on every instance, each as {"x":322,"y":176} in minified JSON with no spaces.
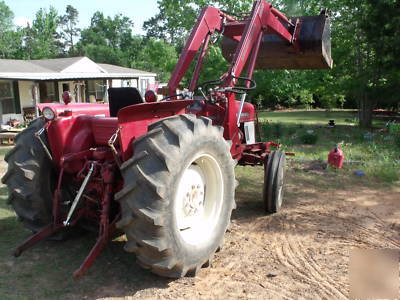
{"x":300,"y":253}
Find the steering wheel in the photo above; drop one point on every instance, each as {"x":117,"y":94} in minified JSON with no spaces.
{"x":172,"y":96}
{"x":205,"y":85}
{"x":236,"y":89}
{"x":244,"y":89}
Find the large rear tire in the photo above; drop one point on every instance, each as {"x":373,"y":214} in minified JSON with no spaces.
{"x":30,"y":179}
{"x":178,"y":195}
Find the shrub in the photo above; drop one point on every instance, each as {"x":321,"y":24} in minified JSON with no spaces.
{"x":385,"y":171}
{"x":291,"y":130}
{"x":272,"y":130}
{"x":278,"y":130}
{"x":309,"y":138}
{"x":332,"y":101}
{"x":397,"y":140}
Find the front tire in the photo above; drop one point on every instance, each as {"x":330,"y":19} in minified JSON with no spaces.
{"x":274,"y":179}
{"x":178,"y":195}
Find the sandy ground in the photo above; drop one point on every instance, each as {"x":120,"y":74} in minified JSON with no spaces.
{"x":299,"y":253}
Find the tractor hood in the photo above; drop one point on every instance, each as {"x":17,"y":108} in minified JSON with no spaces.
{"x":75,"y":109}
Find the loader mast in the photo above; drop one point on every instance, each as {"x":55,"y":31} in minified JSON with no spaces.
{"x":262,"y":19}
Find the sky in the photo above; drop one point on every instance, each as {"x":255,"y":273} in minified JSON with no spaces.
{"x":137,"y":10}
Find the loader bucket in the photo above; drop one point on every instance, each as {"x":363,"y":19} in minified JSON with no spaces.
{"x":275,"y":53}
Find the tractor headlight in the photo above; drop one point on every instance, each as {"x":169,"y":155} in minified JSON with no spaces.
{"x":48,"y":113}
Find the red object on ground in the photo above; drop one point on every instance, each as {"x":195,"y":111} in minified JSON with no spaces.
{"x":336,"y":158}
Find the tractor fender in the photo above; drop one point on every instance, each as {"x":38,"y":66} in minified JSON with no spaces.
{"x":70,"y":135}
{"x":134,"y":120}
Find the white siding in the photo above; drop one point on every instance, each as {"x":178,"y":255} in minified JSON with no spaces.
{"x":85,"y":65}
{"x":144,"y":82}
{"x":25,"y":93}
{"x":125,"y":83}
{"x":9,"y":117}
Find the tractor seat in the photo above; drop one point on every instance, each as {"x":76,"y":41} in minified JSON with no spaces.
{"x":119,"y":98}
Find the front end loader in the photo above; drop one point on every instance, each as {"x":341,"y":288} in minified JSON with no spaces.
{"x":163,"y":171}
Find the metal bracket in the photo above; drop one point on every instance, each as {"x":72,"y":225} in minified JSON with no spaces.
{"x":79,"y":194}
{"x":241,"y":108}
{"x":296,"y":34}
{"x":111,"y":143}
{"x":37,"y":135}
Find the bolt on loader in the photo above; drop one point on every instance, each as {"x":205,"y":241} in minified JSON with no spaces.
{"x":162,"y":172}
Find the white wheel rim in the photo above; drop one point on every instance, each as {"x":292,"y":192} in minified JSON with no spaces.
{"x":199,"y":199}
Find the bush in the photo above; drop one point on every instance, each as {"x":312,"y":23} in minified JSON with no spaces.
{"x":385,"y":171}
{"x":272,"y":130}
{"x":278,"y":131}
{"x":397,"y":140}
{"x":332,"y":101}
{"x":309,"y":138}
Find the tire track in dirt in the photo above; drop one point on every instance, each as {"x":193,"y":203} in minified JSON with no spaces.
{"x":371,"y":233}
{"x":282,"y":250}
{"x":311,"y":264}
{"x":286,"y":259}
{"x":375,"y":235}
{"x":297,"y":261}
{"x":258,"y":242}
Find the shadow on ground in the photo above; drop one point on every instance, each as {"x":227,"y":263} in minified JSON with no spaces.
{"x":45,"y":271}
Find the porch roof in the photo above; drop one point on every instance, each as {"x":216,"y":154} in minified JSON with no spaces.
{"x":74,"y":68}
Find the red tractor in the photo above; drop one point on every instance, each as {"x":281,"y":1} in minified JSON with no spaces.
{"x":163,"y":172}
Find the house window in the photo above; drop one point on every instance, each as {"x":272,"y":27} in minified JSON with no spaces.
{"x":96,"y":88}
{"x":126,"y":83}
{"x":7,"y":97}
{"x":47,"y":91}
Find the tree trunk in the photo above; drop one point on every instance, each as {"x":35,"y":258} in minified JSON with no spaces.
{"x":365,"y":112}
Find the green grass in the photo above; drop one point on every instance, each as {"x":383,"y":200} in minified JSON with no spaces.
{"x":4,"y":150}
{"x":310,"y":117}
{"x":375,"y":152}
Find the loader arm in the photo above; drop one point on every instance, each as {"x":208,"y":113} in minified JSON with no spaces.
{"x":209,"y":21}
{"x":263,"y":19}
